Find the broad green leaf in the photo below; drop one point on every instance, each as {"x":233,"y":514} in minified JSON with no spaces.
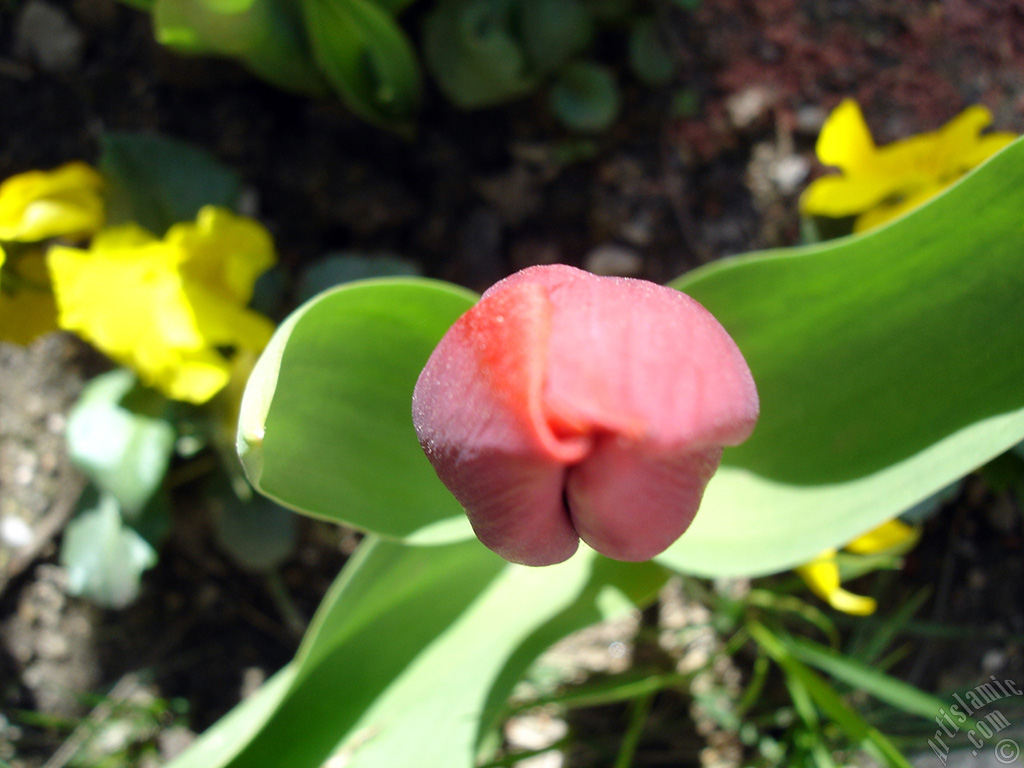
{"x":105,"y":558}
{"x":585,"y":97}
{"x":326,"y":423}
{"x":345,"y":266}
{"x":888,"y":366}
{"x":366,"y":58}
{"x":473,"y":52}
{"x":157,"y":182}
{"x":412,"y":656}
{"x":124,"y":453}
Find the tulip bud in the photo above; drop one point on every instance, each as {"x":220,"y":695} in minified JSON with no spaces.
{"x":565,"y":406}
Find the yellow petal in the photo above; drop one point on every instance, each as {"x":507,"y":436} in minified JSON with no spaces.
{"x":166,"y":308}
{"x":958,"y":141}
{"x":197,"y":377}
{"x":881,"y":183}
{"x":224,"y":252}
{"x":870,"y":175}
{"x":224,"y":323}
{"x":822,"y":577}
{"x":122,"y":237}
{"x":894,"y":209}
{"x":845,"y":141}
{"x":890,"y":536}
{"x":936,"y":157}
{"x":985,"y":147}
{"x":855,"y":605}
{"x":839,"y":196}
{"x":130,"y":304}
{"x":65,"y":202}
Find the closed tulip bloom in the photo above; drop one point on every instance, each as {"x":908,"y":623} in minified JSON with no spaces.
{"x":565,"y":406}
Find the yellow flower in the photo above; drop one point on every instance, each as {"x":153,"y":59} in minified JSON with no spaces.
{"x":27,"y":309}
{"x":822,"y":574}
{"x":171,"y":309}
{"x":877,"y":184}
{"x":64,"y":202}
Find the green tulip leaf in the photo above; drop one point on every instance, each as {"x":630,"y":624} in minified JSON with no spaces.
{"x":888,"y":365}
{"x":326,"y":423}
{"x":123,"y":452}
{"x":366,"y":58}
{"x":474,"y":54}
{"x":345,"y":266}
{"x":156,"y":182}
{"x":412,"y":656}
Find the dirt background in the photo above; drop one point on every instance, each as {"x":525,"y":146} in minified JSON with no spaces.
{"x":474,"y":197}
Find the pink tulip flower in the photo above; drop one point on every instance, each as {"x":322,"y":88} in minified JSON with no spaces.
{"x":565,"y":406}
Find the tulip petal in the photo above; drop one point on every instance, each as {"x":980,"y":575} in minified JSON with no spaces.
{"x":630,"y":504}
{"x":477,"y":409}
{"x":565,"y":405}
{"x":641,"y":360}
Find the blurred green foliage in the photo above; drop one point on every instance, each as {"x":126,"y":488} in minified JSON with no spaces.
{"x":480,"y":52}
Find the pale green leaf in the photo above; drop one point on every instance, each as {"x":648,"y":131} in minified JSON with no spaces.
{"x":124,"y":453}
{"x":888,"y":366}
{"x":412,"y":657}
{"x":103,"y":557}
{"x":326,"y":423}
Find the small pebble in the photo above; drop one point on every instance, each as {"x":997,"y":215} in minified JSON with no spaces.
{"x":15,"y":532}
{"x":45,"y":34}
{"x":612,"y":259}
{"x":749,"y":106}
{"x":788,"y":173}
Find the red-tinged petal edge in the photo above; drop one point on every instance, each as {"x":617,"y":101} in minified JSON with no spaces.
{"x":565,"y":405}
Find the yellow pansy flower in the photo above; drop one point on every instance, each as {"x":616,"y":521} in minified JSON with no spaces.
{"x":64,"y":202}
{"x":822,"y":574}
{"x":173,"y":309}
{"x":877,"y":184}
